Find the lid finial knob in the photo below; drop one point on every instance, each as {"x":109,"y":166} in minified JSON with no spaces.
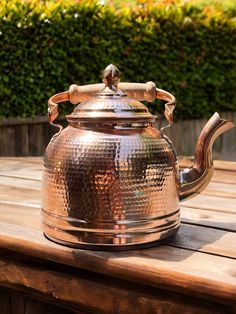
{"x":111,"y":76}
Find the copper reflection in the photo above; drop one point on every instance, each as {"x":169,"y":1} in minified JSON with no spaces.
{"x":111,"y":179}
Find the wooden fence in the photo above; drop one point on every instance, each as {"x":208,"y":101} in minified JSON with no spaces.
{"x":184,"y":135}
{"x":29,"y":137}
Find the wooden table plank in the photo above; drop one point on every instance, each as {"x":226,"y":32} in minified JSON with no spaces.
{"x":208,"y":218}
{"x":17,"y":195}
{"x":33,"y":168}
{"x":209,"y":202}
{"x":21,"y":169}
{"x":225,"y":171}
{"x":21,"y":174}
{"x":21,"y":183}
{"x":25,"y":196}
{"x":21,"y":215}
{"x":214,"y":188}
{"x":208,"y":240}
{"x":199,"y":261}
{"x":196,"y":238}
{"x":87,"y":292}
{"x":225,"y":165}
{"x":183,"y":162}
{"x":224,"y":176}
{"x":205,"y":240}
{"x":218,"y":164}
{"x":204,"y":201}
{"x":220,"y":189}
{"x":28,"y":159}
{"x":191,"y":272}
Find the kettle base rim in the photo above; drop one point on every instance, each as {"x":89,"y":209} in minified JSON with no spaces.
{"x":146,"y":238}
{"x":114,"y":247}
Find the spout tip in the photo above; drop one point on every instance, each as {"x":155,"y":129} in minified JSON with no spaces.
{"x":227,"y":124}
{"x":216,"y":115}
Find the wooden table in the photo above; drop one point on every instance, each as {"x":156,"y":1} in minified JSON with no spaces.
{"x":194,"y":273}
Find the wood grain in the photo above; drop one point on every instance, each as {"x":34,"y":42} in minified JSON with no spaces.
{"x":184,"y":135}
{"x":33,"y":306}
{"x":197,"y":238}
{"x":224,"y":176}
{"x":209,"y":218}
{"x":21,"y":215}
{"x":37,"y":143}
{"x":21,"y":137}
{"x":32,"y":172}
{"x":17,"y":303}
{"x":183,"y":162}
{"x":31,"y":169}
{"x":218,"y":164}
{"x":190,"y":272}
{"x":209,"y":202}
{"x":224,"y":170}
{"x":16,"y":195}
{"x":208,"y":240}
{"x":200,"y":261}
{"x":21,"y":183}
{"x":220,"y":189}
{"x":28,"y":159}
{"x":94,"y":294}
{"x":27,"y":192}
{"x":5,"y":301}
{"x":214,"y":188}
{"x":225,"y":165}
{"x":22,"y":140}
{"x":17,"y":167}
{"x":38,"y":132}
{"x":7,"y":141}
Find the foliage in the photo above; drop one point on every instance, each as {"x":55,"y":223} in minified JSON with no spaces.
{"x":186,"y":47}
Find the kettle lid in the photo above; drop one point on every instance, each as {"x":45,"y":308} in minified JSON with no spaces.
{"x":111,"y":103}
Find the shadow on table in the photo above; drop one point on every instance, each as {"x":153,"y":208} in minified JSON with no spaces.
{"x":190,"y":238}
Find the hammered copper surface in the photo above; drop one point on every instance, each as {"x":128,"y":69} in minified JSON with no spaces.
{"x":111,"y":180}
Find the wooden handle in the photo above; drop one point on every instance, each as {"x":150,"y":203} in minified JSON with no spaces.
{"x":140,"y":91}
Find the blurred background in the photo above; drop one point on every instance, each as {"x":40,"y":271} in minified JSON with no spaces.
{"x":186,"y":47}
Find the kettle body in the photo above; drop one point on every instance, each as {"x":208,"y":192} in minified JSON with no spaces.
{"x":108,"y":188}
{"x":111,"y":180}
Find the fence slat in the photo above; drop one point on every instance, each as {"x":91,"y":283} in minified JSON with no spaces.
{"x":7,"y":141}
{"x":21,"y":140}
{"x":29,"y":137}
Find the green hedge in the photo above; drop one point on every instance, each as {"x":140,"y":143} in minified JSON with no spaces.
{"x":188,"y":49}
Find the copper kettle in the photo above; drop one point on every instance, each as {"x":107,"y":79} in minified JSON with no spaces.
{"x":110,"y":179}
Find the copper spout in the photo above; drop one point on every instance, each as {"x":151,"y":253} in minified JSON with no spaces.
{"x":195,"y":179}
